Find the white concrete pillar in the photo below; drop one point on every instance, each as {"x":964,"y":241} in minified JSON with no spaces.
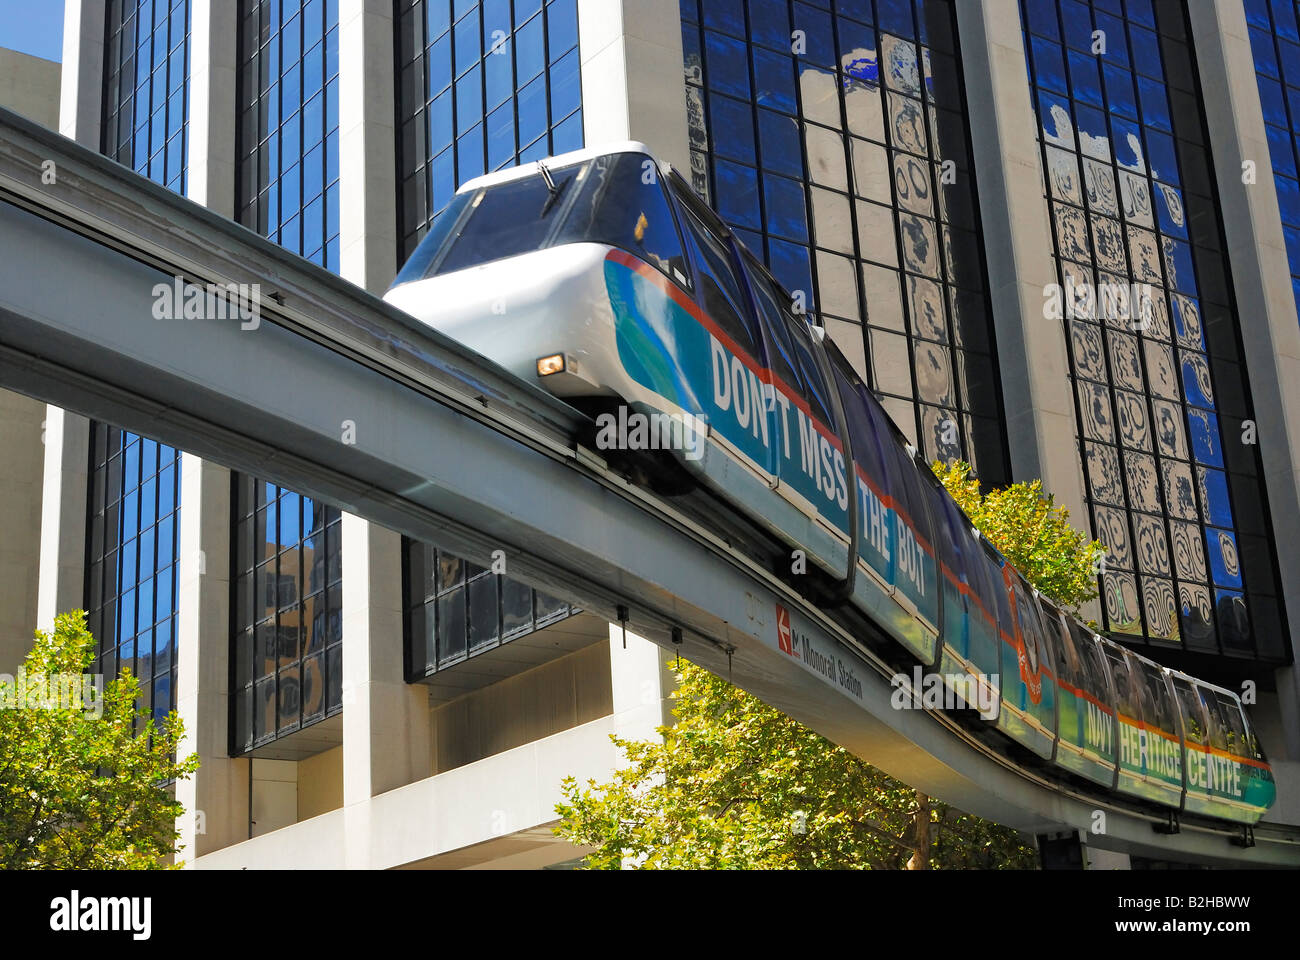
{"x":367,"y":144}
{"x":63,"y":516}
{"x":81,"y":88}
{"x":633,"y":85}
{"x":213,"y":120}
{"x":21,"y":482}
{"x":640,"y":681}
{"x":1036,"y":392}
{"x":1266,"y":307}
{"x":216,"y":797}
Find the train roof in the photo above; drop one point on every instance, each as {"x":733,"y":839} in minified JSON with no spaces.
{"x":559,"y":160}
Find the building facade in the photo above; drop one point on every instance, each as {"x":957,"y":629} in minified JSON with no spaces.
{"x":1051,"y":235}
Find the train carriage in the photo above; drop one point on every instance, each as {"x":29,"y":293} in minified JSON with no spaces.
{"x":601,"y":276}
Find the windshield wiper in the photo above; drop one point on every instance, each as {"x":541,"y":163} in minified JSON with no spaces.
{"x":553,"y":189}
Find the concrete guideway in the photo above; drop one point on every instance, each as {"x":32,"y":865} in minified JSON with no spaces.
{"x":337,"y":394}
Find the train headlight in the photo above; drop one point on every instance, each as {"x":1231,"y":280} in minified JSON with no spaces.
{"x":549,"y":365}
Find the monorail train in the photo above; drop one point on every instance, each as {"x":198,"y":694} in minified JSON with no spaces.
{"x":601,"y":276}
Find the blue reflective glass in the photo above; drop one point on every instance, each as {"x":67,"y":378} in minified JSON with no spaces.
{"x":469,"y":46}
{"x":1119,"y":91}
{"x":1127,"y":144}
{"x":1257,"y":14}
{"x":1155,"y":105}
{"x":1289,"y":57}
{"x":1261,"y":46}
{"x":562,"y":26}
{"x":469,"y":100}
{"x":1042,"y":18}
{"x":438,"y":64}
{"x":895,"y":16}
{"x":469,"y":154}
{"x":786,"y":212}
{"x":737,"y":187}
{"x":1163,"y":159}
{"x":501,"y":135}
{"x":1224,"y":564}
{"x":1204,"y":433}
{"x":532,"y":111}
{"x":727,"y":65}
{"x":568,"y":134}
{"x":1117,"y":43}
{"x":566,"y":86}
{"x":855,"y":41}
{"x":1288,"y":200}
{"x":1085,"y":78}
{"x":818,"y":35}
{"x":725,"y":15}
{"x":1171,"y":212}
{"x":1049,"y":66}
{"x":1193,"y":390}
{"x":1076,"y":25}
{"x":769,"y":22}
{"x":498,"y":74}
{"x":774,"y":81}
{"x":1146,"y":47}
{"x":778,"y":138}
{"x":790,"y":263}
{"x":1280,"y":150}
{"x":530,"y":50}
{"x":1284,"y":21}
{"x":1091,"y":125}
{"x":732,"y":125}
{"x":1178,"y":266}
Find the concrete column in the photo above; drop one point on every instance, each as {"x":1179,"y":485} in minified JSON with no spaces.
{"x":367,"y":144}
{"x":386,"y":726}
{"x":1266,"y":307}
{"x":81,"y":90}
{"x":211,"y":179}
{"x":216,"y":797}
{"x":632,"y":75}
{"x":21,"y":433}
{"x":63,"y":516}
{"x":1040,"y":421}
{"x":641,"y":682}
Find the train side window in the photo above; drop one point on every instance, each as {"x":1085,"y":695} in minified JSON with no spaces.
{"x":621,"y":206}
{"x":1126,"y":700}
{"x":1065,"y":659}
{"x":816,"y":392}
{"x":1234,"y":728}
{"x":1094,"y":667}
{"x":1158,"y":710}
{"x":1195,"y":729}
{"x":720,"y":286}
{"x":771,"y":317}
{"x":860,"y":419}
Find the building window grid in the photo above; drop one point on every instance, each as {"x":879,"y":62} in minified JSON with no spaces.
{"x":456,"y":610}
{"x":286,"y":613}
{"x":146,"y":88}
{"x":944,"y":395}
{"x":286,"y":629}
{"x":447,"y":105}
{"x":1182,"y":591}
{"x":288,"y":134}
{"x":131,"y":588}
{"x":1275,"y":45}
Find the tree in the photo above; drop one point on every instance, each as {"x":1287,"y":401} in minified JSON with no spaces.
{"x":735,"y":783}
{"x":83,"y":779}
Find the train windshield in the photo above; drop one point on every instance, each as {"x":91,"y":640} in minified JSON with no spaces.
{"x":617,"y":199}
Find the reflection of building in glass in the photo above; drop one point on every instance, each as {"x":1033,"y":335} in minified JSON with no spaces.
{"x":1161,"y":398}
{"x":287,"y":629}
{"x":835,"y":143}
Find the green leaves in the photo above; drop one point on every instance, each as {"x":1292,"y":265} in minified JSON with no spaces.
{"x":80,"y":791}
{"x":735,"y":784}
{"x":1032,"y":532}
